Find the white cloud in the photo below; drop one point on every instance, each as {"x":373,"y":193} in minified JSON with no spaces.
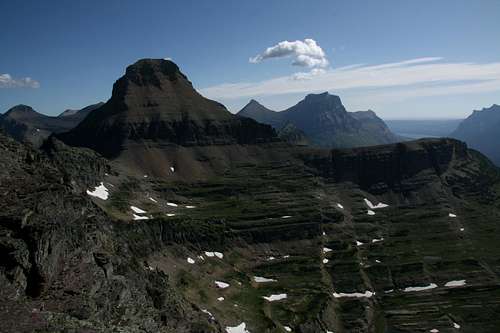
{"x":405,"y":79}
{"x":306,"y":53}
{"x":7,"y":81}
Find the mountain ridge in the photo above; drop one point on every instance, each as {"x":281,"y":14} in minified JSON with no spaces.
{"x":325,"y":121}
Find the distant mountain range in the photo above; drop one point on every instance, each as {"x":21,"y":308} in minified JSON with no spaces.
{"x":25,"y":124}
{"x":481,"y":131}
{"x":325,"y":122}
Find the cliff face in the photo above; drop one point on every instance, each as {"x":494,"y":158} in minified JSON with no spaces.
{"x":154,"y":101}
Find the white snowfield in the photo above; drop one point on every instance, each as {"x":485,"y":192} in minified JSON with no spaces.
{"x":455,"y":283}
{"x":287,"y":328}
{"x":220,"y":299}
{"x":377,"y":206}
{"x":452,"y":215}
{"x":370,"y":212}
{"x":260,"y":279}
{"x":137,"y":210}
{"x":190,"y":207}
{"x":325,"y":261}
{"x":100,"y":192}
{"x":423,"y":288}
{"x":376,"y":240}
{"x":221,"y":285}
{"x":340,"y":206}
{"x":212,"y":254}
{"x":455,"y":325}
{"x":277,"y":297}
{"x":241,"y":328}
{"x":358,"y":243}
{"x":366,"y":294}
{"x":171,"y":204}
{"x":326,"y":250}
{"x":154,"y":200}
{"x":190,"y":261}
{"x":172,"y":169}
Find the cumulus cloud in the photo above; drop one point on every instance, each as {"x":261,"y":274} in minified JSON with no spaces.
{"x":7,"y":81}
{"x":429,"y":76}
{"x":306,"y":53}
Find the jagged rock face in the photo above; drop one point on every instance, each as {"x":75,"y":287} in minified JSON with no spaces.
{"x":64,"y":267}
{"x":26,"y":125}
{"x":480,"y":131}
{"x":154,"y":101}
{"x":326,"y":122}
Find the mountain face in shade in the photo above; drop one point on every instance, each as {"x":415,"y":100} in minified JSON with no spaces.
{"x":155,"y":102}
{"x":325,"y":121}
{"x":25,"y":124}
{"x":481,"y":131}
{"x":82,"y":113}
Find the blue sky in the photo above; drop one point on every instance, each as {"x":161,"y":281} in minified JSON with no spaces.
{"x":403,"y":59}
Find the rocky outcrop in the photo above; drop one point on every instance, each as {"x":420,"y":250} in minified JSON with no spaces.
{"x":63,"y":266}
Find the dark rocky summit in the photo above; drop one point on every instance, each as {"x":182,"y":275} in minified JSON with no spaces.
{"x":154,"y":101}
{"x":26,"y":125}
{"x":213,"y":230}
{"x":481,"y":131}
{"x":325,"y":121}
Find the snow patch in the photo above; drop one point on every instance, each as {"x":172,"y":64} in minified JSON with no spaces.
{"x":456,"y":326}
{"x":287,"y":328}
{"x":137,"y":210}
{"x":100,"y":192}
{"x":277,"y":297}
{"x":377,"y":206}
{"x":326,"y":250}
{"x":153,"y":200}
{"x":172,"y":169}
{"x":340,"y":206}
{"x":376,"y":240}
{"x":190,"y":260}
{"x":434,"y":330}
{"x":208,"y":313}
{"x":241,"y":328}
{"x":190,"y":207}
{"x":358,"y":243}
{"x":455,"y":283}
{"x":260,"y":279}
{"x":452,"y":215}
{"x":219,"y":255}
{"x":366,"y":294}
{"x":138,"y":217}
{"x":410,"y":289}
{"x":286,"y":217}
{"x":325,"y":261}
{"x":221,"y":285}
{"x":171,"y":204}
{"x":370,"y":212}
{"x":170,"y":214}
{"x":220,"y":299}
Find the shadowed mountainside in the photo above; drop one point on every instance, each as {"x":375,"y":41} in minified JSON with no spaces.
{"x":481,"y":131}
{"x":26,"y":125}
{"x":325,"y":121}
